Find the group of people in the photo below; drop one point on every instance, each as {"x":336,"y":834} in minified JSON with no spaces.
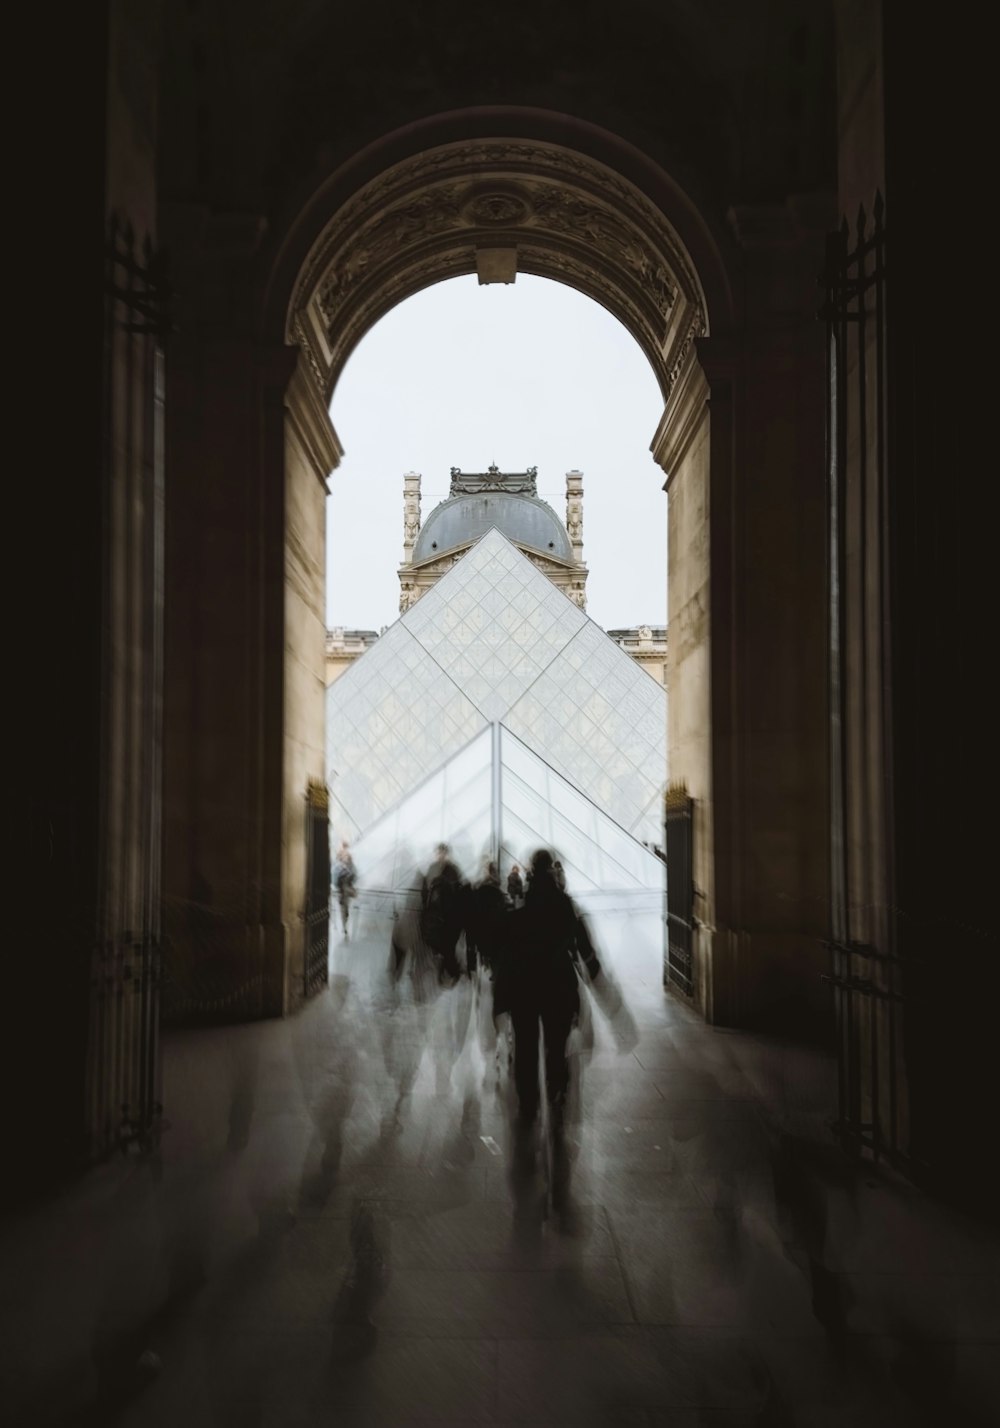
{"x":528,"y":945}
{"x":536,"y":950}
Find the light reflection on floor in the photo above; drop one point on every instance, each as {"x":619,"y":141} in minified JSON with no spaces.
{"x":338,"y":1234}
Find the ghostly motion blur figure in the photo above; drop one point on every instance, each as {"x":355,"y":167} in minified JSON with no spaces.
{"x":345,"y":880}
{"x":539,"y":985}
{"x":442,"y":911}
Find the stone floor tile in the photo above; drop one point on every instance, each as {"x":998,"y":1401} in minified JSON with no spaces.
{"x":300,"y":1257}
{"x":462,"y":1238}
{"x":932,"y":1306}
{"x":545,"y":1303}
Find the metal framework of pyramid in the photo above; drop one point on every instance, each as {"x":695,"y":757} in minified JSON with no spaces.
{"x":492,"y":667}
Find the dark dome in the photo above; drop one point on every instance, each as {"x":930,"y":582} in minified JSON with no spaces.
{"x":524,"y":520}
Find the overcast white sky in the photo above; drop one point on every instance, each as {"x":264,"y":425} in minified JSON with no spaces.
{"x":531,"y":374}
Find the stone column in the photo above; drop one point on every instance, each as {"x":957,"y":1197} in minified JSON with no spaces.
{"x":310,"y":453}
{"x":687,"y":442}
{"x":766,"y":601}
{"x":249,"y":445}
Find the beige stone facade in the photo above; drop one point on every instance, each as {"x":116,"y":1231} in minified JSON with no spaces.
{"x":343,"y":647}
{"x":647,"y":645}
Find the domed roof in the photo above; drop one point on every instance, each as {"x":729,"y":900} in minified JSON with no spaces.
{"x":493,"y":499}
{"x":524,"y":520}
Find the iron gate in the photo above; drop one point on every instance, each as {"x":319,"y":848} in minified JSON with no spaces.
{"x":678,"y":820}
{"x":865,"y":972}
{"x":123,"y":1076}
{"x":316,"y":916}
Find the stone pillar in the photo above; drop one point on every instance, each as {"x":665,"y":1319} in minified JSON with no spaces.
{"x":767,"y":525}
{"x":249,"y":445}
{"x":684,"y":446}
{"x":311,"y":451}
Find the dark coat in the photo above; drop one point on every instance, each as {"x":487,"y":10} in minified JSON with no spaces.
{"x":443,"y":911}
{"x":545,"y":944}
{"x":487,"y":920}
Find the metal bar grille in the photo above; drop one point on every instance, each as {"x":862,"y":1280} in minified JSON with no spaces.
{"x":316,"y":915}
{"x":123,"y":1095}
{"x":865,"y":974}
{"x":678,"y":830}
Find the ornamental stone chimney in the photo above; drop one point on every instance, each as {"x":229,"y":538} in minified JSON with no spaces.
{"x":411,"y":513}
{"x":574,"y":513}
{"x":411,"y":529}
{"x":577,"y":591}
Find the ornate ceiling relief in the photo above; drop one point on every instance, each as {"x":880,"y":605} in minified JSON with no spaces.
{"x":567,"y":216}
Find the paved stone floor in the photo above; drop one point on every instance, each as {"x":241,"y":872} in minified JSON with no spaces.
{"x":334,"y":1235}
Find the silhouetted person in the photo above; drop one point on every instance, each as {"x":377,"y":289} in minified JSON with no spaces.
{"x":345,"y":881}
{"x":442,"y":911}
{"x":538,"y":983}
{"x":485,"y":921}
{"x":515,"y":886}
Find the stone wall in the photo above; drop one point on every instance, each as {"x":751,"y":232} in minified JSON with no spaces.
{"x":311,"y":453}
{"x":682,"y":447}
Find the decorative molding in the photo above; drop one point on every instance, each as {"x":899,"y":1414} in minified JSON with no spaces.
{"x":310,"y":419}
{"x":474,"y":483}
{"x":568,"y":217}
{"x":683,"y":416}
{"x":318,"y":370}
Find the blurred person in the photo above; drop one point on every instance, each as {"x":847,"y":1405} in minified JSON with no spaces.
{"x":443,"y":912}
{"x":515,"y":886}
{"x":487,"y":909}
{"x":345,"y":881}
{"x":404,"y":1001}
{"x":546,"y":953}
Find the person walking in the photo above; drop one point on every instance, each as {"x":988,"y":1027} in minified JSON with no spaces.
{"x":345,"y":882}
{"x":515,"y":886}
{"x":537,"y":982}
{"x":442,"y":911}
{"x":485,"y":921}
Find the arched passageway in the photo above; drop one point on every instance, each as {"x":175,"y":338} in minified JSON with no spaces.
{"x":496,"y":206}
{"x":231,"y":146}
{"x":492,"y":192}
{"x":699,"y":192}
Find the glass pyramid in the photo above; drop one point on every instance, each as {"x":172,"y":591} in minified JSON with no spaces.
{"x":497,"y":800}
{"x":494,"y":642}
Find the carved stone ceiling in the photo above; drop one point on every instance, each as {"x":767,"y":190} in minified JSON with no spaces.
{"x":568,"y":217}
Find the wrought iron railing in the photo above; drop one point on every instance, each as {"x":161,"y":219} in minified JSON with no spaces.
{"x":678,"y":829}
{"x":123,"y":1080}
{"x":865,"y":973}
{"x":316,"y":913}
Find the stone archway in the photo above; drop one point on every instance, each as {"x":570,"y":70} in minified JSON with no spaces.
{"x":497,"y":205}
